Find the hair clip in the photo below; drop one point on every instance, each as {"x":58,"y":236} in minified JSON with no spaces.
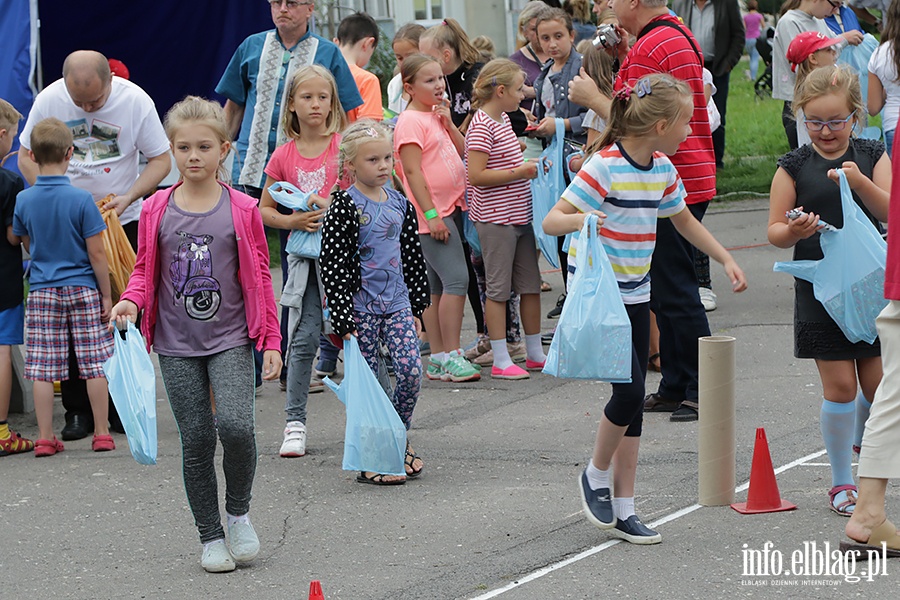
{"x":444,"y":22}
{"x":494,"y":81}
{"x":643,"y":88}
{"x":370,"y":132}
{"x":624,"y":93}
{"x":834,"y":79}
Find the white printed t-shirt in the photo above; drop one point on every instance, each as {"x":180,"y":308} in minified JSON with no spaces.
{"x":107,"y":141}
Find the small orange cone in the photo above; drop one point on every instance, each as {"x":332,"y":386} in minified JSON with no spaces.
{"x":763,"y":496}
{"x":315,"y":590}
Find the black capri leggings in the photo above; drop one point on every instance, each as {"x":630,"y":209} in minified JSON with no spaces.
{"x":626,"y":407}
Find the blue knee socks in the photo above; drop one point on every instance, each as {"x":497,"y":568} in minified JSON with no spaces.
{"x":836,"y":422}
{"x":863,"y":407}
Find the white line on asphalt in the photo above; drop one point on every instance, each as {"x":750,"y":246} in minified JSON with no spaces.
{"x":608,"y":544}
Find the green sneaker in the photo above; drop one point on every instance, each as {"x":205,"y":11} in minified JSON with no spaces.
{"x":435,"y":370}
{"x":458,"y":369}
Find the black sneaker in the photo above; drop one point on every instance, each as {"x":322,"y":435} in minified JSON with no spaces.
{"x":547,"y":338}
{"x":685,"y":413}
{"x":555,"y":312}
{"x":596,"y":504}
{"x":632,"y":530}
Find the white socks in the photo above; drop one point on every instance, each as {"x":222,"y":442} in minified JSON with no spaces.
{"x":623,"y":508}
{"x":439,"y":357}
{"x":596,"y":478}
{"x":502,"y":359}
{"x":534,"y":348}
{"x":241,"y":519}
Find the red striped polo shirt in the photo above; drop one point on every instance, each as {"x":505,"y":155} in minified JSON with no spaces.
{"x":665,"y":50}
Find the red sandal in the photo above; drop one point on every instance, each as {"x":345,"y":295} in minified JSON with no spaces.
{"x":48,"y":447}
{"x":103,"y":443}
{"x":841,"y":507}
{"x":15,"y":444}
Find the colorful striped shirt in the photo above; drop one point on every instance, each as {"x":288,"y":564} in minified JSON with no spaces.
{"x":507,"y":204}
{"x":632,"y":196}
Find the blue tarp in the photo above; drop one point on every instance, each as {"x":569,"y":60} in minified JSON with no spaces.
{"x":16,"y":58}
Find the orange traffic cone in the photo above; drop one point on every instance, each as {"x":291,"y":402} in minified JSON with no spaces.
{"x":315,"y":591}
{"x":763,"y":496}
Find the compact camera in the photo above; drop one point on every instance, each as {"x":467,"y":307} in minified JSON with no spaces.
{"x":606,"y":37}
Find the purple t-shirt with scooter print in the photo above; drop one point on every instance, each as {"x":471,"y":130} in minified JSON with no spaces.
{"x":201,"y":307}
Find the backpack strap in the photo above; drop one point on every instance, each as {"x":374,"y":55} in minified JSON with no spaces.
{"x":664,"y":23}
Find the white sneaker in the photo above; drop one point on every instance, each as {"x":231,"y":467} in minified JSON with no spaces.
{"x":243,"y":542}
{"x":216,"y":558}
{"x":294,"y":443}
{"x":708,"y":299}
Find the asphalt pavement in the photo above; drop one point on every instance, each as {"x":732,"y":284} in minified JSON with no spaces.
{"x":496,"y":513}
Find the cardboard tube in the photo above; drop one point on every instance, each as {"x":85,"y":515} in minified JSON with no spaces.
{"x":717,"y":451}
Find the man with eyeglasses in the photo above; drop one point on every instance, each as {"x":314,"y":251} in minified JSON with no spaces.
{"x":254,"y":84}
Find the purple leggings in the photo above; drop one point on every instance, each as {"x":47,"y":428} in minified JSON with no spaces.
{"x":398,"y":332}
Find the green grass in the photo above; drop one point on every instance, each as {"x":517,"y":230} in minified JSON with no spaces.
{"x":274,"y":255}
{"x":754,"y":139}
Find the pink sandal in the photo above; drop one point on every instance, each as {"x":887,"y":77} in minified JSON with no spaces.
{"x":841,"y":507}
{"x":48,"y":447}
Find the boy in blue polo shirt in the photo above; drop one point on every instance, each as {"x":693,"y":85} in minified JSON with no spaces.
{"x":12,"y":308}
{"x":69,"y":291}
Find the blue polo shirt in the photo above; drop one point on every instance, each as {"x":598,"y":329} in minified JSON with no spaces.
{"x":238,"y":84}
{"x":58,"y":218}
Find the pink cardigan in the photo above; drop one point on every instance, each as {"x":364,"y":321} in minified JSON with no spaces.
{"x":253,"y":268}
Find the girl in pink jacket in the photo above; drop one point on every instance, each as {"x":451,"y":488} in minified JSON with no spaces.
{"x":202,"y":279}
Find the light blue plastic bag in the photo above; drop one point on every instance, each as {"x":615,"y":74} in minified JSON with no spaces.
{"x":375,"y":437}
{"x":593,"y":337}
{"x":546,"y":190}
{"x":471,"y":234}
{"x":305,"y":244}
{"x":857,"y":57}
{"x":849,"y":279}
{"x":132,"y":385}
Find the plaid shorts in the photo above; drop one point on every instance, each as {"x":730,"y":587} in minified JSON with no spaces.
{"x":53,"y":315}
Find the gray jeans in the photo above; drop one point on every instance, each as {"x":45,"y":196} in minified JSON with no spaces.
{"x":188,"y":382}
{"x":303,"y":346}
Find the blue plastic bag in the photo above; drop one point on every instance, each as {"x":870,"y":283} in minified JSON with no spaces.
{"x":132,"y":385}
{"x":546,"y":190}
{"x":849,"y":279}
{"x":593,"y":336}
{"x":471,"y":234}
{"x":857,"y":57}
{"x":375,"y":437}
{"x":305,"y":244}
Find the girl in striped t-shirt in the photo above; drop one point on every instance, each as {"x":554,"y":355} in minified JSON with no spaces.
{"x":629,"y":178}
{"x":500,"y":208}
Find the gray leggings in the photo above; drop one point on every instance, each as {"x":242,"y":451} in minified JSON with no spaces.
{"x":188,"y":381}
{"x":448,"y":272}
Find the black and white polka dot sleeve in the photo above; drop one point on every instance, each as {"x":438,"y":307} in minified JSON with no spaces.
{"x":413,"y":260}
{"x":339,"y":260}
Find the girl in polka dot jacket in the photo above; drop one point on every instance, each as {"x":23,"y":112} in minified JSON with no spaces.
{"x":373,"y":271}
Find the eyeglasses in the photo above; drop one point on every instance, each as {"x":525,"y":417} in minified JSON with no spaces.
{"x":834,"y":4}
{"x":836,"y":125}
{"x":288,"y":3}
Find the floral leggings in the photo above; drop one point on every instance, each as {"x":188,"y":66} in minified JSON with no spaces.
{"x":398,"y":332}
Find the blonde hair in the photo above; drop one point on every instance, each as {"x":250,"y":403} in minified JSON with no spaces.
{"x":411,"y":32}
{"x":598,"y":64}
{"x":838,"y":80}
{"x":485,"y":47}
{"x":50,"y":141}
{"x":500,"y":71}
{"x":607,"y":14}
{"x":194,"y":110}
{"x":449,"y":34}
{"x":359,"y":133}
{"x":579,"y":9}
{"x":9,"y":116}
{"x":634,"y":114}
{"x":336,"y":119}
{"x":532,"y":10}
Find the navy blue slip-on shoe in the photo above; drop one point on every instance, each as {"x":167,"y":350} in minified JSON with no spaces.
{"x":596,"y":504}
{"x":632,"y":530}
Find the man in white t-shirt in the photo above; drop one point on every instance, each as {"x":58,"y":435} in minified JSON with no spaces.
{"x":112,"y":121}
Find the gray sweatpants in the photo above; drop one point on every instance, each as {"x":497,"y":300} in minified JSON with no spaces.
{"x":188,"y":381}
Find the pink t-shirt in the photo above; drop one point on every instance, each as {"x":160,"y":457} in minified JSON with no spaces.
{"x":508,"y":204}
{"x":442,"y":165}
{"x":317,"y":174}
{"x":752,"y":22}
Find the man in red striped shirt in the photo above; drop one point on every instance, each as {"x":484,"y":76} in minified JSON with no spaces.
{"x":664,"y":45}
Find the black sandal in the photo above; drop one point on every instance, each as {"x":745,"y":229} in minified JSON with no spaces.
{"x":409,"y":461}
{"x":378,"y":479}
